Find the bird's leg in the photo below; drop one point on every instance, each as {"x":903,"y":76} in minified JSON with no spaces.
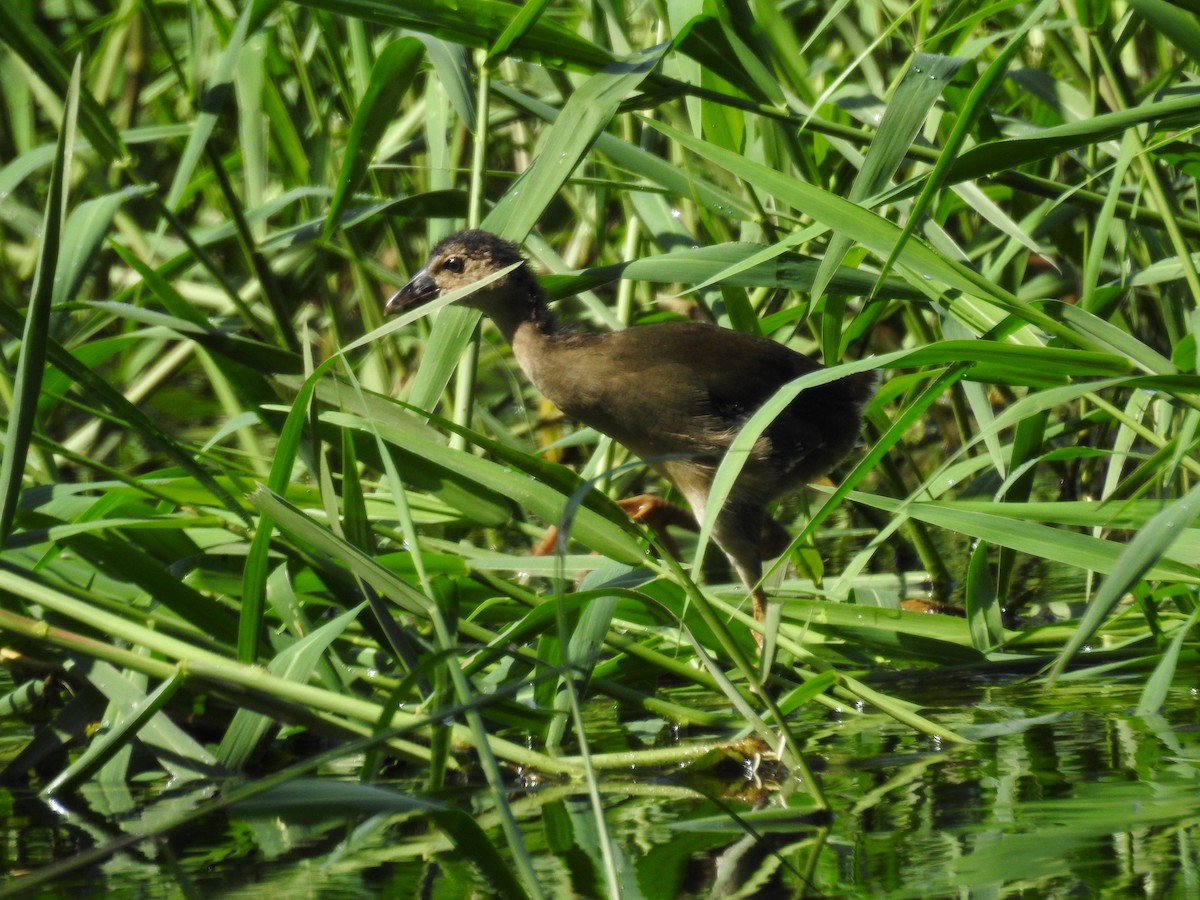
{"x":759,"y":598}
{"x":546,"y":546}
{"x":738,"y":531}
{"x":775,"y":539}
{"x":655,"y":512}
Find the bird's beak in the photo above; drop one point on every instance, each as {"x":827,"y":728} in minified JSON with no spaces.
{"x":420,"y":289}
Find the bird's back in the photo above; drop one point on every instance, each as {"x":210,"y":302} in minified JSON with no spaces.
{"x":683,"y":388}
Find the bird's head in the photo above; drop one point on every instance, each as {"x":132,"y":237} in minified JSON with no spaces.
{"x":461,"y":260}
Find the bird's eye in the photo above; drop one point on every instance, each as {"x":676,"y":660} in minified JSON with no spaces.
{"x":453,"y":264}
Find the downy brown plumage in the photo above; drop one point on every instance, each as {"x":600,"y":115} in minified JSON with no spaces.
{"x":674,"y":390}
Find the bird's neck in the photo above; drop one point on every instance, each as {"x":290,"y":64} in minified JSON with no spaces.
{"x":534,"y":342}
{"x":528,"y":326}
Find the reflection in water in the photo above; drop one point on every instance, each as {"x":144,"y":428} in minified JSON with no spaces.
{"x":1061,"y":794}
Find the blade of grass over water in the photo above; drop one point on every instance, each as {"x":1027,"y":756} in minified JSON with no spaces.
{"x":1139,"y":560}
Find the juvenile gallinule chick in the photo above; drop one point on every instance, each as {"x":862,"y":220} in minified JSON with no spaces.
{"x":680,"y":390}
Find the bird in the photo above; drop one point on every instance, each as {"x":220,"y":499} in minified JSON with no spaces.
{"x":674,"y":393}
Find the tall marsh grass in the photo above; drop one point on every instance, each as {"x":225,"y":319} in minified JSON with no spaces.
{"x":231,"y":494}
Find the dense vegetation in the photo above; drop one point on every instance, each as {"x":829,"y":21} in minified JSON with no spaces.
{"x":248,"y":528}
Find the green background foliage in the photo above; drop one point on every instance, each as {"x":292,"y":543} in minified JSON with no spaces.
{"x":228,"y":484}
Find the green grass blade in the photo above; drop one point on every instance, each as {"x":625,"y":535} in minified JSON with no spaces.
{"x":526,"y":16}
{"x":1176,"y":25}
{"x":921,"y":263}
{"x":296,"y":662}
{"x":391,"y":77}
{"x":1004,"y":154}
{"x":719,"y":49}
{"x":31,"y":43}
{"x":1142,"y":558}
{"x":981,"y":92}
{"x":217,"y":93}
{"x":1060,"y":546}
{"x":678,"y":181}
{"x":587,"y":112}
{"x":983,"y":606}
{"x":739,"y":264}
{"x":1166,"y":673}
{"x":114,"y":739}
{"x":86,"y":230}
{"x":923,"y":84}
{"x":35,"y":333}
{"x":545,"y":41}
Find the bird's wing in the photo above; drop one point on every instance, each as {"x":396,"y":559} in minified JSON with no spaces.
{"x":670,"y":388}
